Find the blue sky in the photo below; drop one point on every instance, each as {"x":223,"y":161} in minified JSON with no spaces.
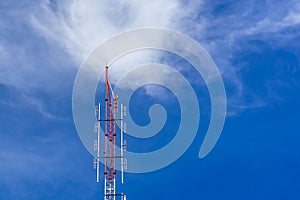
{"x":254,"y":43}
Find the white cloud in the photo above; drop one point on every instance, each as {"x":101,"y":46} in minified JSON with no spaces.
{"x":79,"y":26}
{"x":271,"y":25}
{"x":221,"y":29}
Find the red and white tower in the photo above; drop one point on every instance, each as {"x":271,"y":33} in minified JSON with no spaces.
{"x":112,"y":135}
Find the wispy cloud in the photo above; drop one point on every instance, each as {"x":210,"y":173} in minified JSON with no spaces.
{"x":79,"y":26}
{"x":222,"y":27}
{"x":225,"y":27}
{"x":38,"y":162}
{"x":276,"y":23}
{"x":18,"y":99}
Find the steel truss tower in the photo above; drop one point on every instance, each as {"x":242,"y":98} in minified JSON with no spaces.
{"x":111,"y":134}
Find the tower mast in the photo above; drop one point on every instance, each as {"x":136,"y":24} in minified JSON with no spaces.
{"x":110,"y":154}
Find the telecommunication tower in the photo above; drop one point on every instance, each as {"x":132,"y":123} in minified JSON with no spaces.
{"x":112,"y":134}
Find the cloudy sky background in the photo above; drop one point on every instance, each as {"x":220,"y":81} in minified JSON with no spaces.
{"x":254,"y":43}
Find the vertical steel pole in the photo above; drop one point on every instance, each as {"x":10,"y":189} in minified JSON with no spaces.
{"x":98,"y":145}
{"x":122,"y":146}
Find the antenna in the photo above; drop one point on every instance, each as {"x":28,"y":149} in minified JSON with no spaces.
{"x":110,"y":141}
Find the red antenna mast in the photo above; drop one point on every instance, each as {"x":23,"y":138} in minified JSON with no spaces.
{"x":110,"y":154}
